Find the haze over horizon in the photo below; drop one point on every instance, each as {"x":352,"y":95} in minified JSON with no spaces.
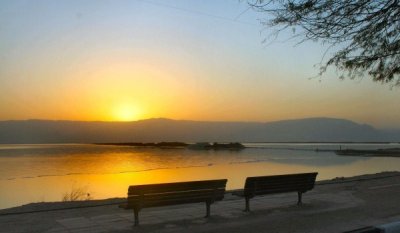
{"x":189,"y":120}
{"x":167,"y":130}
{"x":176,"y":59}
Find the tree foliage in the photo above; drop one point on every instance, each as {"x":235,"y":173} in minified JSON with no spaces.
{"x":365,"y":32}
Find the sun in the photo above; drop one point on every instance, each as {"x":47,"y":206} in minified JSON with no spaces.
{"x":126,"y":112}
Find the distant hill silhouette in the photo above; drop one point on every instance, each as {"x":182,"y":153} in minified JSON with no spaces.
{"x":157,"y":130}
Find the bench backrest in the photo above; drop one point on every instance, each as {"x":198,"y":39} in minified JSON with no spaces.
{"x":176,"y":193}
{"x":279,"y":184}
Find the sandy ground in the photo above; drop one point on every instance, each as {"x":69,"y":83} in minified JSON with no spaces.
{"x":333,"y":206}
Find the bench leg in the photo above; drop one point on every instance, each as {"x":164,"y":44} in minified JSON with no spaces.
{"x":208,"y":205}
{"x":247,"y":205}
{"x":299,"y":195}
{"x":136,"y":212}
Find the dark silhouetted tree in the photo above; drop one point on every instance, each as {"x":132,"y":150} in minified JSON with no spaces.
{"x":365,"y":33}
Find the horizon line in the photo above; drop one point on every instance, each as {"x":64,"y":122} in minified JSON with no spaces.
{"x":194,"y":120}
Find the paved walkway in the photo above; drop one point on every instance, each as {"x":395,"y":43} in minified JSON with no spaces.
{"x":328,"y":208}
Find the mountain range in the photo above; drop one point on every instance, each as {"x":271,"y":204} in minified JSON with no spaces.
{"x":160,"y":129}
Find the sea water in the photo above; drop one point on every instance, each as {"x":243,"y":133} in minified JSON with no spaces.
{"x":45,"y":172}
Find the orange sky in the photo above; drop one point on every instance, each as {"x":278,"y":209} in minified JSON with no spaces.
{"x":122,"y":61}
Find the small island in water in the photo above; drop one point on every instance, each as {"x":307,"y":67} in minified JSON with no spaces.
{"x":216,"y":146}
{"x":147,"y":144}
{"x":196,"y":146}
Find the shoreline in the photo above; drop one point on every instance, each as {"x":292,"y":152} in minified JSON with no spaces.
{"x":336,"y":205}
{"x":247,"y":142}
{"x":37,"y":207}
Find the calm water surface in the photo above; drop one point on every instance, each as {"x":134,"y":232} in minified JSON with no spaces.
{"x":35,"y":173}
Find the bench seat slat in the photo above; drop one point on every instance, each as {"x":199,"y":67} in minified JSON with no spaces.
{"x":277,"y":186}
{"x":287,"y":180}
{"x":177,"y":192}
{"x":294,"y":186}
{"x":176,"y":187}
{"x":277,"y":177}
{"x":208,"y":192}
{"x":208,"y":195}
{"x":283,"y":182}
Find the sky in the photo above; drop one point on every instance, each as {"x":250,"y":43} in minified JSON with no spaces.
{"x":119,"y":60}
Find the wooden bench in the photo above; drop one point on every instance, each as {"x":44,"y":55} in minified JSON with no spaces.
{"x":262,"y":185}
{"x":153,"y":195}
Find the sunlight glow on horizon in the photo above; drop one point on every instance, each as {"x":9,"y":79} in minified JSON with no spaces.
{"x":127,"y":112}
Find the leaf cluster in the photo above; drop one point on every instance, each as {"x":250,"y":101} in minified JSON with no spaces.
{"x":367,"y":32}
